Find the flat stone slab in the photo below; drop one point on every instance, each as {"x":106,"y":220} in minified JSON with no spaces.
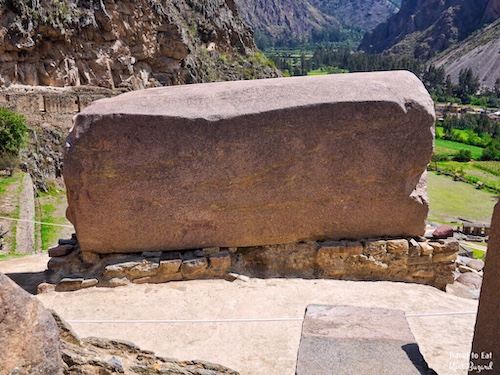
{"x":346,"y":340}
{"x":251,"y":163}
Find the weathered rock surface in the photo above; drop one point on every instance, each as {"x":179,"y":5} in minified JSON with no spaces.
{"x":251,"y":163}
{"x":28,"y":333}
{"x":470,"y":280}
{"x":487,"y":323}
{"x":94,"y":355}
{"x":423,"y":28}
{"x":126,"y":44}
{"x":443,"y":231}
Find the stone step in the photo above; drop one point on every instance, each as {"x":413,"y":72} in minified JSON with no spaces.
{"x":347,"y":340}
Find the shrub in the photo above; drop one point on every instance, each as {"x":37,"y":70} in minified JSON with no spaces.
{"x":491,"y":152}
{"x":463,"y":155}
{"x":13,"y":136}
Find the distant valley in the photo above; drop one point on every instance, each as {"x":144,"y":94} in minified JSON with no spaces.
{"x":289,"y":22}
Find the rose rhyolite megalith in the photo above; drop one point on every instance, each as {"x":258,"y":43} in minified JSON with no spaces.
{"x":251,"y":163}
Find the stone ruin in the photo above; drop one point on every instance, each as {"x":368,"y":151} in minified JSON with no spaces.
{"x":304,"y":177}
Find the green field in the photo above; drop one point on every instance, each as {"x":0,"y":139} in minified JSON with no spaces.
{"x":450,"y":148}
{"x":451,"y":200}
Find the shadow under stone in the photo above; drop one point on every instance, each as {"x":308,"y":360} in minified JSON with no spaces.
{"x":413,"y":353}
{"x":29,"y":281}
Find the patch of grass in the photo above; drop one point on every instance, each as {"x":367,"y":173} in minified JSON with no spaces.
{"x":317,"y":72}
{"x":5,"y":181}
{"x":49,"y":212}
{"x":474,"y":172}
{"x":450,"y":200}
{"x":492,"y":167}
{"x":450,"y":148}
{"x":478,"y":254}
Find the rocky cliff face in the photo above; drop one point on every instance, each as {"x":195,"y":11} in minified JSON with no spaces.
{"x":284,"y":19}
{"x":125,"y":44}
{"x":359,"y":14}
{"x":289,"y":19}
{"x":479,"y":52}
{"x":423,"y":28}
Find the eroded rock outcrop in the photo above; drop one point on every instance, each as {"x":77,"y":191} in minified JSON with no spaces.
{"x":125,"y":44}
{"x":251,"y":163}
{"x":28,"y":334}
{"x":424,"y":28}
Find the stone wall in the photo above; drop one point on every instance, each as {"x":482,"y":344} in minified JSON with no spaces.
{"x":50,"y":107}
{"x":402,"y":259}
{"x":49,"y":112}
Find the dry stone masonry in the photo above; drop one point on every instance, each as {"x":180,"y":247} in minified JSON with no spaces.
{"x":417,"y":260}
{"x":251,"y":163}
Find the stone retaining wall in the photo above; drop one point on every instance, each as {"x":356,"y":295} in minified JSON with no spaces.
{"x":402,"y":259}
{"x":50,"y":106}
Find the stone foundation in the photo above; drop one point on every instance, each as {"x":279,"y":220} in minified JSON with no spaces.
{"x":402,"y":259}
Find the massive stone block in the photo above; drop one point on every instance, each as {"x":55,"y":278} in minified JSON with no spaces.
{"x":485,"y":355}
{"x":251,"y":163}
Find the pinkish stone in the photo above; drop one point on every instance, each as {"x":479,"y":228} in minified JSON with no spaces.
{"x":249,"y":163}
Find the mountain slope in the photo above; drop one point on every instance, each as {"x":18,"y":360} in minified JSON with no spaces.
{"x":128,"y":44}
{"x":297,"y":20}
{"x":363,"y":15}
{"x":284,"y":19}
{"x":423,"y":28}
{"x":480,"y":52}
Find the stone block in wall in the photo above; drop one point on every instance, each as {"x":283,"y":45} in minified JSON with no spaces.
{"x":170,"y":262}
{"x":287,"y":260}
{"x":61,"y":103}
{"x":425,"y":248}
{"x":424,"y":259}
{"x":444,"y":257}
{"x":60,"y":251}
{"x":192,"y":268}
{"x":133,"y":269}
{"x":424,"y":274}
{"x":398,"y":246}
{"x":330,"y":250}
{"x":450,"y":245}
{"x":414,"y":248}
{"x":375,"y":248}
{"x":251,"y":163}
{"x":220,"y":262}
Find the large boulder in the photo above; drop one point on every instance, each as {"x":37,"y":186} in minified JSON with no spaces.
{"x":486,"y":346}
{"x":29,"y":335}
{"x":251,"y":163}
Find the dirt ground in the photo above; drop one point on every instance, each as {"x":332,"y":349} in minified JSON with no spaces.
{"x":235,"y":335}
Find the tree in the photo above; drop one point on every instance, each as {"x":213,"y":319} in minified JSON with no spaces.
{"x":468,"y":83}
{"x":13,"y":137}
{"x":463,"y":155}
{"x":491,"y":152}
